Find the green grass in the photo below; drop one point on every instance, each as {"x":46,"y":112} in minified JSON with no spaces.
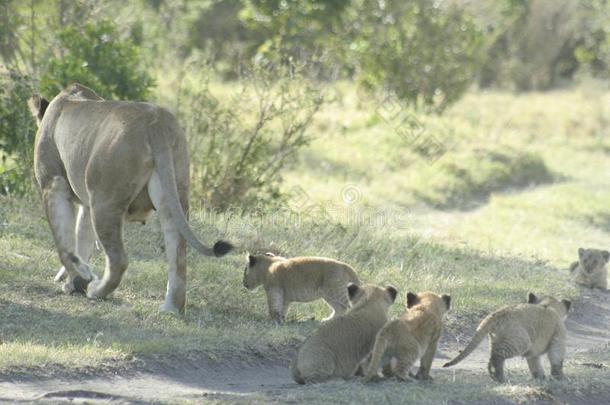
{"x":532,"y":186}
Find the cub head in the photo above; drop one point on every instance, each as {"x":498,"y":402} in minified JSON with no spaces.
{"x":439,"y":303}
{"x":362,"y":294}
{"x":257,"y":268}
{"x":38,"y":106}
{"x":562,"y":307}
{"x":592,"y":259}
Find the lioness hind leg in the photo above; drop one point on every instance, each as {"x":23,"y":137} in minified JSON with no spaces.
{"x":108,"y":224}
{"x":60,"y":213}
{"x":85,"y":241}
{"x":175,"y":247}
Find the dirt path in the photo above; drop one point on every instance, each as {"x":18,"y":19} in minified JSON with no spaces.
{"x":269,"y":380}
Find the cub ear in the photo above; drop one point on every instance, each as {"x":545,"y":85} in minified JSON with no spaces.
{"x":38,"y":106}
{"x":567,"y":304}
{"x":251,"y":260}
{"x":447,"y":299}
{"x":532,"y":299}
{"x":392,"y":291}
{"x":606,"y":255}
{"x":352,"y":290}
{"x":581,"y":252}
{"x":411,"y":299}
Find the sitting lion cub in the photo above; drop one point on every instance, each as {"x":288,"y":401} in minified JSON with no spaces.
{"x":339,"y":345}
{"x":528,"y":330}
{"x":591,"y":268}
{"x":300,"y":279}
{"x":413,"y":336}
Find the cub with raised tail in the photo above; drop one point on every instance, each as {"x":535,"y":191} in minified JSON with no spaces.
{"x":529,"y":330}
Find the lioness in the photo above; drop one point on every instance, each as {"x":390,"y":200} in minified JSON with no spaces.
{"x":299,"y":279}
{"x":529,"y":330}
{"x":117,"y":161}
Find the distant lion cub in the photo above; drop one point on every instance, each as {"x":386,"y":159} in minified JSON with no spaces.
{"x":591,"y":268}
{"x":413,"y":336}
{"x":528,"y":330}
{"x":336,"y":349}
{"x":300,"y":279}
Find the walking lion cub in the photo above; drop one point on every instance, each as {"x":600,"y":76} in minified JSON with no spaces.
{"x":529,"y":330}
{"x":300,"y":279}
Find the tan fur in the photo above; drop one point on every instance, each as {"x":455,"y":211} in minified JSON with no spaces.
{"x":339,"y":345}
{"x":529,"y":330}
{"x":414,"y":336}
{"x":299,"y":279}
{"x":591,"y":269}
{"x":117,"y":161}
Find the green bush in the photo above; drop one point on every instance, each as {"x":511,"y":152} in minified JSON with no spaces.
{"x":238,"y":147}
{"x":17,"y":132}
{"x":97,"y":58}
{"x":424,"y":54}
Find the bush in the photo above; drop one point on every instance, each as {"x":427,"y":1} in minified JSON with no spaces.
{"x":17,"y":132}
{"x":239,"y":147}
{"x":97,"y":58}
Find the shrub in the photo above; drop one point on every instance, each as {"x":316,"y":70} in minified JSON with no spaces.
{"x":17,"y":132}
{"x":238,"y":147}
{"x":424,"y":54}
{"x":96,"y":57}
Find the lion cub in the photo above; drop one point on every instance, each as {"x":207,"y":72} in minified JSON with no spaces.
{"x":300,"y":279}
{"x":338,"y":346}
{"x":413,"y":336}
{"x":528,"y":330}
{"x":591,"y":268}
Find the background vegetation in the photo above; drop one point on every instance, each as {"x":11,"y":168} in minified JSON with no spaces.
{"x":425,"y":54}
{"x":456,"y":146}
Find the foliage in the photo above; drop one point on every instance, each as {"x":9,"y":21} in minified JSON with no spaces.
{"x":238,"y":152}
{"x":541,"y":44}
{"x":423,"y":54}
{"x":96,"y":57}
{"x":17,"y":131}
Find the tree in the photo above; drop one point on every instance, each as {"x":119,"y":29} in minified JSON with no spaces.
{"x":96,"y":57}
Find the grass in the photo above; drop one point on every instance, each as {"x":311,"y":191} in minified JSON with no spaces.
{"x":523,"y":182}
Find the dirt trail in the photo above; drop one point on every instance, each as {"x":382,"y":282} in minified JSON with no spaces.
{"x":588,"y":325}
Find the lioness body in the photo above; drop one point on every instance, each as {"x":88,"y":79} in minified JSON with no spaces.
{"x":591,"y":269}
{"x":529,"y":330}
{"x":414,"y":336}
{"x":300,"y":279}
{"x":117,"y":161}
{"x":339,"y":345}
